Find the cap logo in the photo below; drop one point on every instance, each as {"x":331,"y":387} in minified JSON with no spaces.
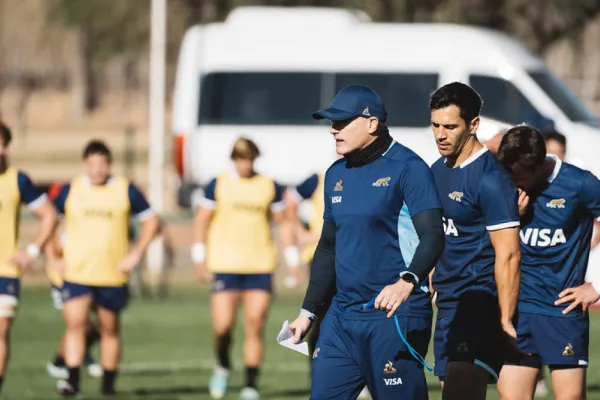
{"x":366,"y":112}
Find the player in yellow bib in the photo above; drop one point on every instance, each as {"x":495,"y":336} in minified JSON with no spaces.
{"x":57,"y":368}
{"x":233,"y":241}
{"x":16,"y":188}
{"x":98,"y":260}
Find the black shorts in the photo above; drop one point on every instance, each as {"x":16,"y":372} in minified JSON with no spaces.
{"x":471,"y":334}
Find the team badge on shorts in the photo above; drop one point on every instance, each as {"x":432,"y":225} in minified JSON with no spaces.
{"x":389,"y":368}
{"x":568,"y":351}
{"x":462,"y":347}
{"x":316,"y":352}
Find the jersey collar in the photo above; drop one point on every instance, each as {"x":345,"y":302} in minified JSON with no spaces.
{"x":472,"y":158}
{"x":86,"y":180}
{"x":388,"y":149}
{"x":557,"y":165}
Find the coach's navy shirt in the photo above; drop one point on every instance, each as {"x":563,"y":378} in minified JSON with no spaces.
{"x":371,"y":207}
{"x":556,"y":237}
{"x":478,"y":196}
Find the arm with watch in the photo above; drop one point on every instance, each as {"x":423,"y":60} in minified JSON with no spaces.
{"x":429,"y":228}
{"x":428,"y":225}
{"x":42,"y":208}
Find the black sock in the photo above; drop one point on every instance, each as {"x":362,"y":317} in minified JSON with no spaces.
{"x":108,"y":382}
{"x":223,"y":343}
{"x":59,"y":361}
{"x":74,"y":378}
{"x":91,"y":337}
{"x":251,"y":376}
{"x":1,"y":382}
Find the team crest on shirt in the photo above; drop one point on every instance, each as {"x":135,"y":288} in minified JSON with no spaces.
{"x":568,"y":351}
{"x":382,"y":182}
{"x":389,"y":369}
{"x":316,"y":352}
{"x":462,"y":347}
{"x":338,"y":186}
{"x":456,"y":196}
{"x":556,"y":203}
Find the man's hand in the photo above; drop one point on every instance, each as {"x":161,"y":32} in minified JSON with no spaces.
{"x":59,"y":265}
{"x":392,"y":296}
{"x":202,"y":273}
{"x":301,"y":326}
{"x":21,"y":260}
{"x":523,"y":202}
{"x":130,"y":262}
{"x":583,"y":296}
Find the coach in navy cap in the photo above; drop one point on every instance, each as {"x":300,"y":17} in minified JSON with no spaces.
{"x":358,"y":116}
{"x":382,"y":235}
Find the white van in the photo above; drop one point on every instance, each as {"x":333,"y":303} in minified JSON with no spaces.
{"x":264,"y":70}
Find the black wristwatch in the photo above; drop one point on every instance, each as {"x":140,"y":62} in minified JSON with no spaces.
{"x":410,"y":278}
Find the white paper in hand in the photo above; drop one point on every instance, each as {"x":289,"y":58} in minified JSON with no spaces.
{"x":286,"y":337}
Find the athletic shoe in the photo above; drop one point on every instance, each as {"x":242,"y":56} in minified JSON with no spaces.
{"x":218,"y":383}
{"x":64,"y":389}
{"x":249,"y":393}
{"x":56,"y":372}
{"x":541,"y":388}
{"x":93,"y":368}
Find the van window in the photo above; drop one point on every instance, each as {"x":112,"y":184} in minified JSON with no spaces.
{"x":406,"y":96}
{"x":563,"y":97}
{"x":259,"y":98}
{"x":502,"y":101}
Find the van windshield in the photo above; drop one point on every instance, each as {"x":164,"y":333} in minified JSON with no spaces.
{"x":290,"y":98}
{"x":563,"y":97}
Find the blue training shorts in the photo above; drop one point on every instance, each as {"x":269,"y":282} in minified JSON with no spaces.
{"x":471,"y":333}
{"x":223,"y":282}
{"x":352,"y":353}
{"x":554,"y":341}
{"x":112,"y":298}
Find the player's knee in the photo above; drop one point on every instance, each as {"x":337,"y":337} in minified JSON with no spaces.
{"x":571,"y":392}
{"x":8,"y":307}
{"x":254,"y":324}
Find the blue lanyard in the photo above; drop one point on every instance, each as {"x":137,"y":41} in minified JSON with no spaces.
{"x":411,"y":350}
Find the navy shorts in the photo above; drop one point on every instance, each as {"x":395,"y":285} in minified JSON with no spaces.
{"x":112,"y":298}
{"x":352,"y":353}
{"x":472,"y":333}
{"x":10,"y":287}
{"x":553,"y":341}
{"x":222,"y":282}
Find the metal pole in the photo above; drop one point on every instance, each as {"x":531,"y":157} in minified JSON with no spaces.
{"x":157,"y":124}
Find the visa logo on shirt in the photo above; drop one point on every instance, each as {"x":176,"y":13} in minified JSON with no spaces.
{"x":542,"y":237}
{"x":392,"y":381}
{"x":336,"y":199}
{"x":449,"y":227}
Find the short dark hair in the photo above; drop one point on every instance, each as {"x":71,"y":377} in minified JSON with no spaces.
{"x":460,"y":95}
{"x":522,"y":150}
{"x":97,"y":147}
{"x":556,"y":136}
{"x":5,"y":134}
{"x":245,"y":148}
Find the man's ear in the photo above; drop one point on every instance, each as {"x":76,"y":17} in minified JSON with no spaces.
{"x":474,"y":125}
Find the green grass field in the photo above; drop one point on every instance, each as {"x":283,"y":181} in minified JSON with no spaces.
{"x":168,"y":355}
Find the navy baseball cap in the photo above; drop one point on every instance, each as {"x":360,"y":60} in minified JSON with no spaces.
{"x":354,"y":101}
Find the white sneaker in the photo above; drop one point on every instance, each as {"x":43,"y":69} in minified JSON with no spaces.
{"x":218,"y":383}
{"x":95,"y":370}
{"x":249,"y":393}
{"x":541,"y":389}
{"x":56,"y":372}
{"x":364,"y":394}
